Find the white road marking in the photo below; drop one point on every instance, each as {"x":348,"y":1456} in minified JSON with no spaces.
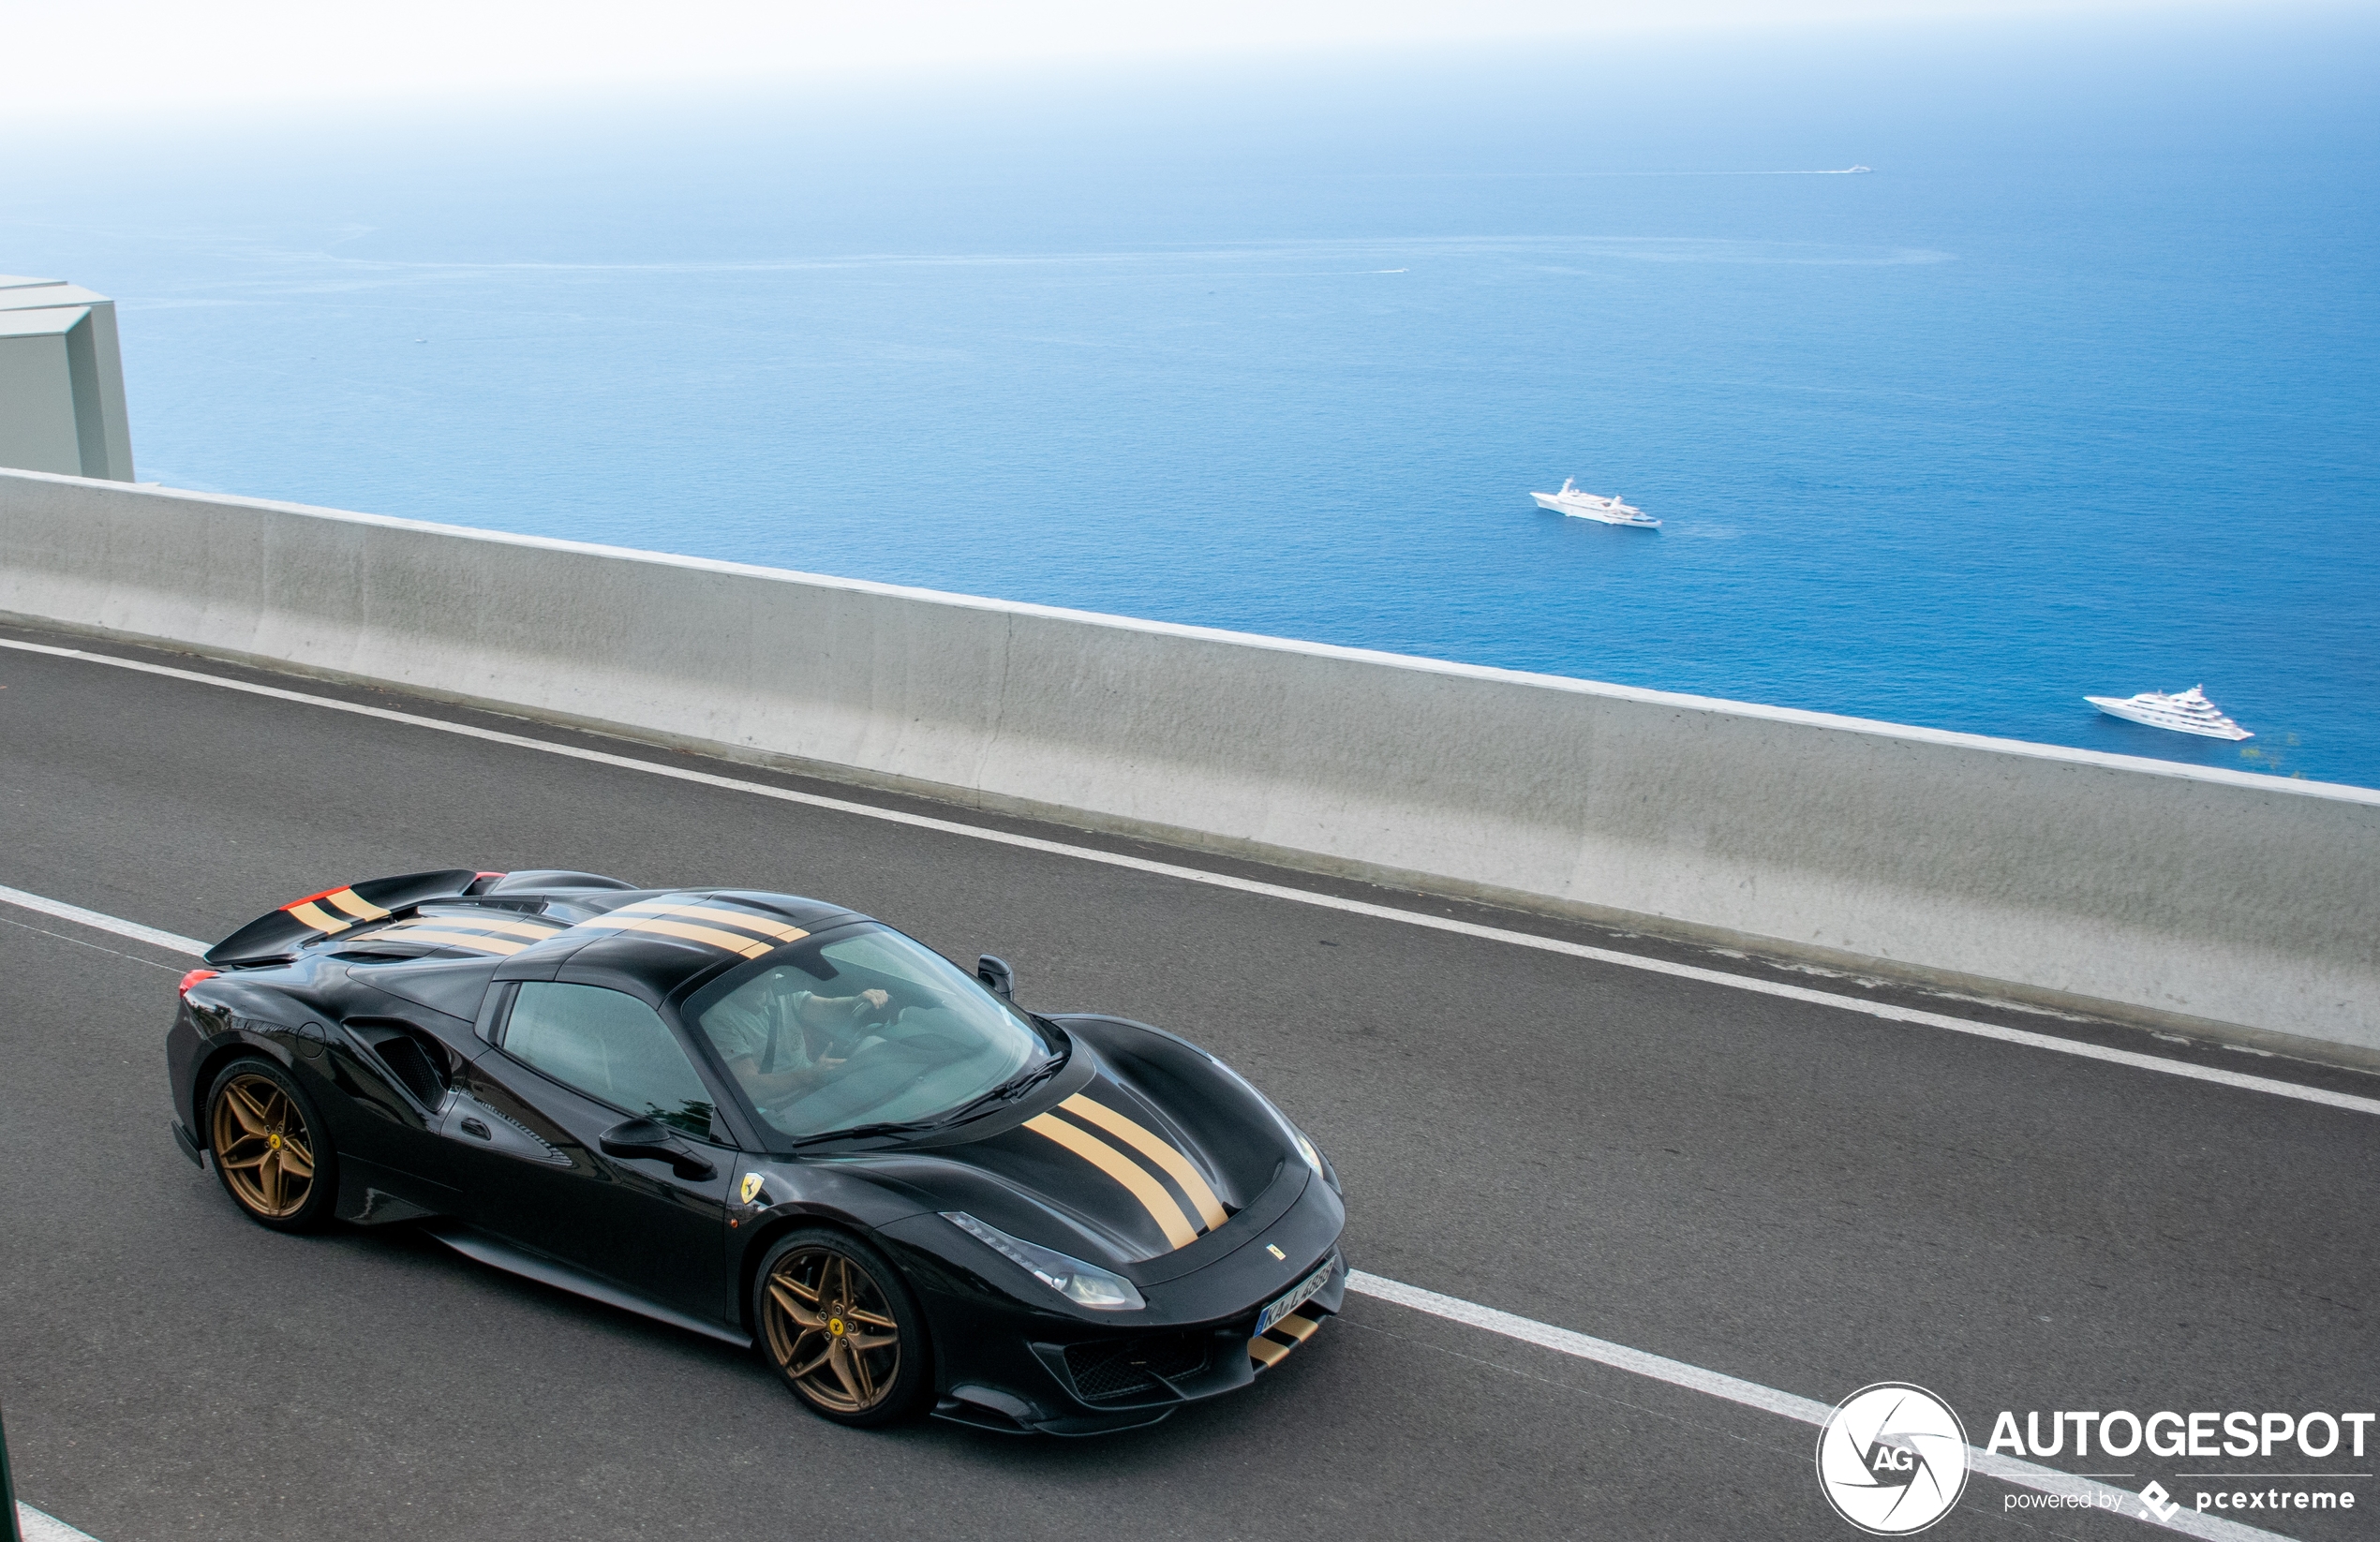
{"x":1273,"y":890}
{"x":2105,"y":1498}
{"x":101,"y":921}
{"x":37,"y":1527}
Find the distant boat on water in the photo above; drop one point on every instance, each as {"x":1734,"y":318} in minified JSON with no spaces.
{"x":1611,"y":510}
{"x":2184,"y":712}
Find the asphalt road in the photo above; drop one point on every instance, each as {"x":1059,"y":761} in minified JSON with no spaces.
{"x":1806,"y":1197}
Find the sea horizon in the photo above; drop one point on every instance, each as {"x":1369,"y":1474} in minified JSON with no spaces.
{"x":2068,"y":395}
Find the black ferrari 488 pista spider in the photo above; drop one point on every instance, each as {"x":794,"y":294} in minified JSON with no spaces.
{"x":772,"y":1121}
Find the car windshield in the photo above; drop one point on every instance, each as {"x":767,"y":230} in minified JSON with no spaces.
{"x":870,"y":1028}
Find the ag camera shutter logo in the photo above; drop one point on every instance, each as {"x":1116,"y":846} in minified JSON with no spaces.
{"x":1892,"y":1458}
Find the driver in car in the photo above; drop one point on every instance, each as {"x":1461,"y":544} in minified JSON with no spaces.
{"x":780,"y":1040}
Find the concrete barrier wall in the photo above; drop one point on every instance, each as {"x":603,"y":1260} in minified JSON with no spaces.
{"x":61,"y":380}
{"x":2168,"y":891}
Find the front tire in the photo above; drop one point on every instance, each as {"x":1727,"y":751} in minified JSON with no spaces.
{"x":841,"y":1329}
{"x":272,"y":1152}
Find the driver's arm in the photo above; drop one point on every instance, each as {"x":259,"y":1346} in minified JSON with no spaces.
{"x":833,"y":1012}
{"x":771,"y":1086}
{"x":820,"y":1015}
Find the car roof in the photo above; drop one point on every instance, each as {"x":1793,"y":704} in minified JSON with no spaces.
{"x":658,"y":939}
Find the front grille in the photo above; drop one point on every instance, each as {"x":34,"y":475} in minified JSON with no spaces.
{"x":1122,"y":1369}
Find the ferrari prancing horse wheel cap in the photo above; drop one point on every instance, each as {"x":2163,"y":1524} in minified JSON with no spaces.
{"x":261,"y":1147}
{"x":830,"y":1329}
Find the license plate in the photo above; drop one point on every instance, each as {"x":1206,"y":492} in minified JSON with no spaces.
{"x":1308,"y":1289}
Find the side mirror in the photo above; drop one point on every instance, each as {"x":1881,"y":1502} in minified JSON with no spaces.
{"x":643,"y":1137}
{"x":997,"y":977}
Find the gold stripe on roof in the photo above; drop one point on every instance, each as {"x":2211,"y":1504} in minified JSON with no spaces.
{"x":709,"y":935}
{"x":745,"y":919}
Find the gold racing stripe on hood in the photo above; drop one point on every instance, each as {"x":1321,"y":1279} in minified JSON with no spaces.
{"x":1161,"y":1152}
{"x":355,"y":905}
{"x":1152,"y":1193}
{"x":315,"y":916}
{"x":745,"y":919}
{"x":712,"y":935}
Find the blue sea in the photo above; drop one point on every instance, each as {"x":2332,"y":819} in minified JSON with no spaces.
{"x":2073,"y":392}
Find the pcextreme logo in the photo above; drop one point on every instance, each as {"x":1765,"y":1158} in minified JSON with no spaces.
{"x":1892,"y":1458}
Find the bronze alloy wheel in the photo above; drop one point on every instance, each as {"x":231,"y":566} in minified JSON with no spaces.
{"x":831,"y":1329}
{"x":263,"y":1145}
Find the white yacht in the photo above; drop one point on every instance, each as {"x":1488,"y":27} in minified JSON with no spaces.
{"x":2184,"y":712}
{"x":1611,"y":510}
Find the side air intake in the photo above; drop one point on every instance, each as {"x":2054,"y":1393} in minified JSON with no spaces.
{"x":418,"y":1064}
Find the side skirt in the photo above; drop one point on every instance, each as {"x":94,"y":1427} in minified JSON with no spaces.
{"x":482,"y":1248}
{"x":373,"y":1195}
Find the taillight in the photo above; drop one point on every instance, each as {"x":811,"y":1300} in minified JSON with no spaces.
{"x":480,"y":881}
{"x":193,"y":978}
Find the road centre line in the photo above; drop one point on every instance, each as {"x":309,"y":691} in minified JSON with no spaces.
{"x":100,"y":921}
{"x":2105,"y":1498}
{"x":1275,"y":891}
{"x":37,"y":1527}
{"x":1470,"y":1315}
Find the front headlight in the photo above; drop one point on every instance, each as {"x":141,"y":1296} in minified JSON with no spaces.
{"x":1084,"y":1284}
{"x":1314,"y":1159}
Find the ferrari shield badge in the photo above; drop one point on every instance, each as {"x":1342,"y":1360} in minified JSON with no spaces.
{"x":752,"y":1186}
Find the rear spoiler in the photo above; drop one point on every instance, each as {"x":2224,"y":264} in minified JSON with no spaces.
{"x":277,"y":935}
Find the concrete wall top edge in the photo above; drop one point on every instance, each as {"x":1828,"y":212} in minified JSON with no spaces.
{"x":42,"y":296}
{"x":48,"y":321}
{"x":1902,"y":732}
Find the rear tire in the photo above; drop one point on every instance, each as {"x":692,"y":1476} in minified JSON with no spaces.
{"x":841,"y":1327}
{"x":271,"y":1152}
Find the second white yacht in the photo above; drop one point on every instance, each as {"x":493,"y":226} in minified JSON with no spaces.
{"x":1611,"y":510}
{"x":2184,"y":712}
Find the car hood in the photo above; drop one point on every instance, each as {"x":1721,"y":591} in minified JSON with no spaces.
{"x":1148,"y":1157}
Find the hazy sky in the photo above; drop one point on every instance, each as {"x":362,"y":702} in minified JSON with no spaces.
{"x":239,"y":55}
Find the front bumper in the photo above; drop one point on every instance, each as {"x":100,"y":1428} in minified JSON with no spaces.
{"x":1016,"y":1366}
{"x":1096,"y":1385}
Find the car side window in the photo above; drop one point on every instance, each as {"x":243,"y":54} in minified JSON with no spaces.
{"x":610,"y":1045}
